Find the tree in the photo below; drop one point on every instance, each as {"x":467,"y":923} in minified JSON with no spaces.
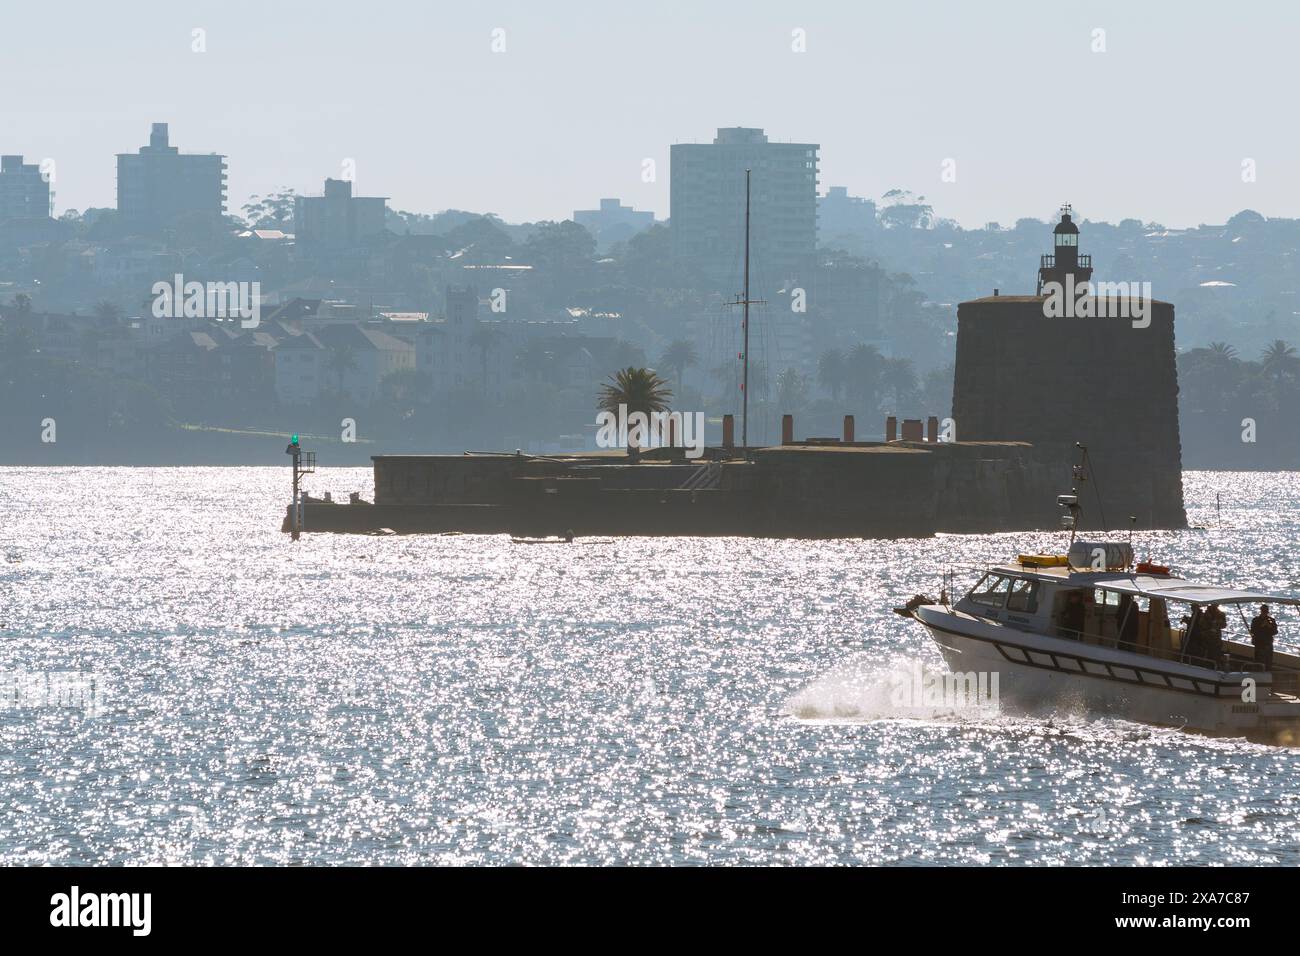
{"x":865,"y":365}
{"x":1279,"y":359}
{"x":22,"y":303}
{"x":640,"y":389}
{"x":107,"y":312}
{"x":405,"y":388}
{"x":831,"y":371}
{"x":561,"y":245}
{"x":898,"y":378}
{"x":480,"y":240}
{"x":1209,"y":377}
{"x":679,"y":356}
{"x":903,"y":210}
{"x":936,"y":392}
{"x":791,"y":391}
{"x":273,"y":211}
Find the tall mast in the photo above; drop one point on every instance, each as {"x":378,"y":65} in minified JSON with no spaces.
{"x":744,"y":417}
{"x":743,"y":300}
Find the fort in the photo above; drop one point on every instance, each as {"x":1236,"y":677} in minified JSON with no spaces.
{"x":1027,"y":388}
{"x":1098,"y":379}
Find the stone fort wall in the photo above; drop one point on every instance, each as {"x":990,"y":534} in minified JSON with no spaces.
{"x":1022,"y":376}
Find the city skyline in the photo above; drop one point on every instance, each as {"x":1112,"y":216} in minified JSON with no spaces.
{"x":1027,"y":118}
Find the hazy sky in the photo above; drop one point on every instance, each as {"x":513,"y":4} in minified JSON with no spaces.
{"x":1156,"y":127}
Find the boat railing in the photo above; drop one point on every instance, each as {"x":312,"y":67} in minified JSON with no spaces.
{"x":1235,"y":662}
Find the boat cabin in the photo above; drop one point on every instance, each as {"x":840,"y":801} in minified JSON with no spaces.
{"x":1148,"y":611}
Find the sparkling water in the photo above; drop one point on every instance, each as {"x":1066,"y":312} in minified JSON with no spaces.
{"x":182,"y":684}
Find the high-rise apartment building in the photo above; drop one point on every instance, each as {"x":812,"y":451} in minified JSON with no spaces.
{"x":158,"y":186}
{"x":337,"y":220}
{"x":24,"y":192}
{"x":708,"y":205}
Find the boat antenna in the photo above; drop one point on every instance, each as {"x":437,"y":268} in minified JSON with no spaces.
{"x":745,"y":302}
{"x":1071,"y":501}
{"x":1132,"y":523}
{"x":1071,"y":520}
{"x":1082,"y":472}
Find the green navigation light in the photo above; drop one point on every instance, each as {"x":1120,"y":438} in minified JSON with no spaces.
{"x":293,"y":440}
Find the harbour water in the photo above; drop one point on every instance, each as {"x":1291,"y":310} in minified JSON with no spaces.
{"x":181,"y":684}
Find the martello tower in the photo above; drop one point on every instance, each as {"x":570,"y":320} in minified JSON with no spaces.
{"x":1096,"y":368}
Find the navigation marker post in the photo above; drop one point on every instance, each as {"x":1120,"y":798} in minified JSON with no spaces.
{"x":304,"y":463}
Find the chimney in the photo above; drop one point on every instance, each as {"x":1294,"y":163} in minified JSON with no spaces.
{"x":728,"y":432}
{"x":913,"y":430}
{"x":787,"y":429}
{"x":891,"y":428}
{"x":848,"y":428}
{"x":932,"y":429}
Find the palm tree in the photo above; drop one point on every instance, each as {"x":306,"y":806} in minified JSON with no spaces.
{"x":831,"y":371}
{"x":864,"y":367}
{"x":791,"y":391}
{"x":640,"y":389}
{"x":1279,"y":359}
{"x":679,"y":356}
{"x":898,"y":377}
{"x":1208,"y":377}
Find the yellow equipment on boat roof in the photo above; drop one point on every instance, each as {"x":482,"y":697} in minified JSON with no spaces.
{"x":1044,"y":560}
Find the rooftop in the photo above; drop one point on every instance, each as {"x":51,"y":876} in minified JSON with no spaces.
{"x":1165,"y":586}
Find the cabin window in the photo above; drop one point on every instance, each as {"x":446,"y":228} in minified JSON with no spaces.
{"x":1108,"y":598}
{"x":1024,"y":597}
{"x":991,"y":590}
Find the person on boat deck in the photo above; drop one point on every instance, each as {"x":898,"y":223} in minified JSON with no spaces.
{"x":1212,"y":637}
{"x":1072,"y":617}
{"x":1262,"y":631}
{"x":1127,"y":616}
{"x":1194,"y":641}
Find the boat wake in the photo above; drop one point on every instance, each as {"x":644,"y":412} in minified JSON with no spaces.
{"x":858,"y":691}
{"x":861,"y":691}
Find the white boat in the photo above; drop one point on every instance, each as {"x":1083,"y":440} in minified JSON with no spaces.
{"x":1126,"y":660}
{"x":1139,"y":642}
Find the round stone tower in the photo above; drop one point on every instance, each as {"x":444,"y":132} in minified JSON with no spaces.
{"x":1082,"y":362}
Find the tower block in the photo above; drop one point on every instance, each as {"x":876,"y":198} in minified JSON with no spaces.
{"x":1079,"y":362}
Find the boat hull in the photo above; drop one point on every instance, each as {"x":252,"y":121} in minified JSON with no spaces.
{"x":1038,"y":673}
